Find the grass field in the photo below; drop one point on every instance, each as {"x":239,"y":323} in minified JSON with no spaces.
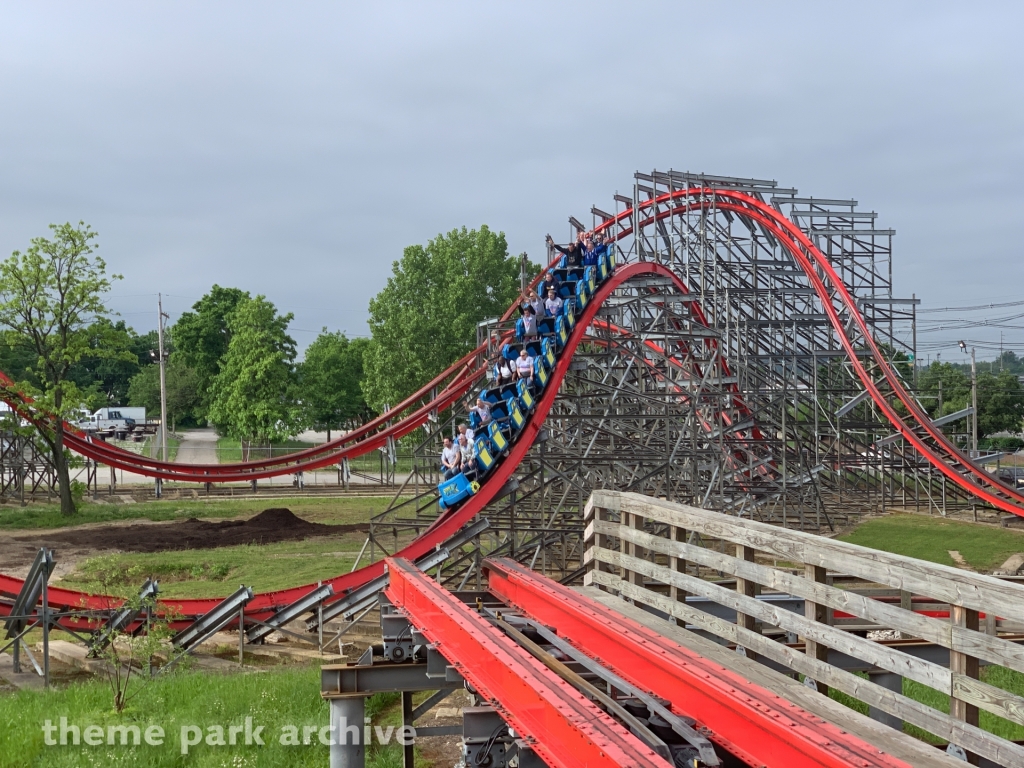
{"x":930,"y":538}
{"x":274,"y":698}
{"x":229,"y":450}
{"x":218,"y":572}
{"x":149,"y":449}
{"x":1000,"y":677}
{"x":318,"y":510}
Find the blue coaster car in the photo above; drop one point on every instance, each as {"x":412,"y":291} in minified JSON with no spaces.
{"x":455,"y":490}
{"x":509,"y":352}
{"x":582,"y":295}
{"x":540,"y":375}
{"x":561,"y":331}
{"x":573,"y":274}
{"x":547,"y":353}
{"x":609,"y":260}
{"x":485,"y":456}
{"x":510,"y":395}
{"x":507,"y":414}
{"x":526,"y":401}
{"x":569,"y":313}
{"x":590,"y":278}
{"x":546,"y":326}
{"x":543,"y":349}
{"x":498,"y":440}
{"x":505,"y":391}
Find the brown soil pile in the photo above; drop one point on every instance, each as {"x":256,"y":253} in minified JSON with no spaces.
{"x":269,"y":526}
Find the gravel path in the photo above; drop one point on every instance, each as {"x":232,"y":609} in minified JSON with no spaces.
{"x":198,"y":446}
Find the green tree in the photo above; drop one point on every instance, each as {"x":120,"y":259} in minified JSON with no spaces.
{"x":1000,"y":396}
{"x":254,"y":397}
{"x":51,"y":299}
{"x":183,"y":394}
{"x":425,"y":318}
{"x":330,"y":381}
{"x":104,"y":378}
{"x":1000,"y":403}
{"x":956,"y":388}
{"x":202,"y":337}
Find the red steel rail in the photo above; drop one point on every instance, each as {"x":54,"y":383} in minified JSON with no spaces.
{"x":744,"y":718}
{"x":831,"y":289}
{"x":466,"y":372}
{"x":443,"y":528}
{"x":938,"y":451}
{"x":565,"y":729}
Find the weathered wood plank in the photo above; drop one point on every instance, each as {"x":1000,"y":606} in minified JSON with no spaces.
{"x":971,"y":691}
{"x":816,"y":612}
{"x":939,"y":631}
{"x":823,"y":636}
{"x":889,"y":659}
{"x":986,"y":744}
{"x":675,"y":563}
{"x":900,"y":745}
{"x":745,"y":587}
{"x":950,"y":585}
{"x":965,"y":667}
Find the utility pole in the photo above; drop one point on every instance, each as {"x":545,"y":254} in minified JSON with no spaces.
{"x":913,"y":328}
{"x":974,"y":398}
{"x":163,"y":376}
{"x":974,"y":403}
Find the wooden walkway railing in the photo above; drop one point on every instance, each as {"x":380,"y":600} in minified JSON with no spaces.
{"x":658,"y":553}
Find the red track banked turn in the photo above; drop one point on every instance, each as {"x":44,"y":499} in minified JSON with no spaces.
{"x":464,"y":374}
{"x":443,"y":528}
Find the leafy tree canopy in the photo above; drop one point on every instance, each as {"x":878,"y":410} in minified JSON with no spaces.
{"x":52,"y":308}
{"x":254,"y":397}
{"x":330,"y":379}
{"x":425,"y":318}
{"x":183,"y":394}
{"x":1000,"y":403}
{"x":1000,"y":396}
{"x":202,"y":337}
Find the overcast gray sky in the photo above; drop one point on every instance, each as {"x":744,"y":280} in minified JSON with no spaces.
{"x":295,"y":149}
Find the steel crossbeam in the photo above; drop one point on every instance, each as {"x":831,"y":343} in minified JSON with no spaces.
{"x":561,"y":725}
{"x":123,"y":617}
{"x":747,"y":720}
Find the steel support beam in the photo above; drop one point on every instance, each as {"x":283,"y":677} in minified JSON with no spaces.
{"x":744,"y":718}
{"x":565,"y":729}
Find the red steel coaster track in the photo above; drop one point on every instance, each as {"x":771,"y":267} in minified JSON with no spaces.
{"x":743,"y":718}
{"x":449,"y":387}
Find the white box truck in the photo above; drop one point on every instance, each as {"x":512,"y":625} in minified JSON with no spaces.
{"x":116,"y":420}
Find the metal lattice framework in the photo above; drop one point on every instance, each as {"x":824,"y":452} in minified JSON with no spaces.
{"x":728,"y":387}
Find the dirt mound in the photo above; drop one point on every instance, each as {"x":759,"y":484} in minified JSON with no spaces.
{"x":269,"y":526}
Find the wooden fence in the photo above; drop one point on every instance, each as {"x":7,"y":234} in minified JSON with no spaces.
{"x":690,"y":564}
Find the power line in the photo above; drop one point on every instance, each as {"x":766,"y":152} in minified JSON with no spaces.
{"x":971,"y":309}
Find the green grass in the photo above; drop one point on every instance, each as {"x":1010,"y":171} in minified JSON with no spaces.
{"x":151,"y":449}
{"x":1007,"y":679}
{"x":229,"y":450}
{"x":273,"y":699}
{"x":319,"y":510}
{"x":984,"y":547}
{"x":369,"y":463}
{"x":218,"y":572}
